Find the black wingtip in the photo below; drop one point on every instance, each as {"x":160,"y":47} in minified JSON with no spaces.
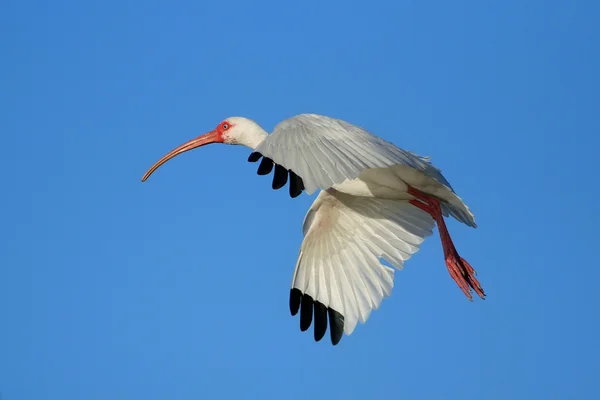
{"x":320,"y":320}
{"x":295,"y":299}
{"x":306,"y":312}
{"x":316,"y":313}
{"x":336,"y":323}
{"x":296,"y":185}
{"x":280,"y":177}
{"x":254,"y":156}
{"x":265,"y":167}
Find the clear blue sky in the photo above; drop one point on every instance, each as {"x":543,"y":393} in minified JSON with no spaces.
{"x":178,"y":288}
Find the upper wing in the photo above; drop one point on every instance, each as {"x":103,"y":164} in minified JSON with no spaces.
{"x":321,"y":151}
{"x":339,"y":274}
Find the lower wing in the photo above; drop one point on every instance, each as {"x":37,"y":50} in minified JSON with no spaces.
{"x":339,"y":276}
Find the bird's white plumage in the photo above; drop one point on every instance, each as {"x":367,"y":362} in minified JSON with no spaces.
{"x":363,"y":214}
{"x":326,"y":151}
{"x":392,"y":184}
{"x":344,"y":239}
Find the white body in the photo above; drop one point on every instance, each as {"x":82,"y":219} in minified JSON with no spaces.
{"x":391,"y":183}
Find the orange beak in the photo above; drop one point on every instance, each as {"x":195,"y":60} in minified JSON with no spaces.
{"x":207,"y":138}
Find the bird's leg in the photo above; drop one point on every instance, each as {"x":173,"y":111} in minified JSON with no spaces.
{"x":460,"y":270}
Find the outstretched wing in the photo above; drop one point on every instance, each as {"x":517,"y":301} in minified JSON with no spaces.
{"x":339,"y":277}
{"x":319,"y":151}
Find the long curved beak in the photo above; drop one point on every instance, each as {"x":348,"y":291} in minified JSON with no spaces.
{"x":207,"y":138}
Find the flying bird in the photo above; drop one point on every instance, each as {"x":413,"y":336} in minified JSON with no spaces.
{"x":377,"y":201}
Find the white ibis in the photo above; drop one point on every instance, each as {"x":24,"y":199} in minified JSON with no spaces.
{"x":376,"y":202}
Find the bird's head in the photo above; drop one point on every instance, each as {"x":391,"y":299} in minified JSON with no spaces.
{"x":233,"y":130}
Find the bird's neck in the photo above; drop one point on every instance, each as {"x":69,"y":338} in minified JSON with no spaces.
{"x":252,"y":136}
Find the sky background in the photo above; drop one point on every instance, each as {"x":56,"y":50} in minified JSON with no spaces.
{"x":178,"y":288}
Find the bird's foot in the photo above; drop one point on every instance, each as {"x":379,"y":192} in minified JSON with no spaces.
{"x":460,"y":270}
{"x":462,"y":273}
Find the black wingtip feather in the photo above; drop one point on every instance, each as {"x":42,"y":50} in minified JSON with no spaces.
{"x":280,"y":177}
{"x":306,"y":312}
{"x":296,"y":185}
{"x":320,"y":320}
{"x":265,"y":167}
{"x":295,"y":299}
{"x":254,"y":156}
{"x":336,"y":323}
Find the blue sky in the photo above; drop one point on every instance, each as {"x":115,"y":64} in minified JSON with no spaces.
{"x":178,"y":287}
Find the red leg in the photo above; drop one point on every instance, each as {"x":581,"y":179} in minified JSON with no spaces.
{"x":460,"y":270}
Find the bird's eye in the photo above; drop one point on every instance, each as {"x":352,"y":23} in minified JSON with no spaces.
{"x":225,"y":126}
